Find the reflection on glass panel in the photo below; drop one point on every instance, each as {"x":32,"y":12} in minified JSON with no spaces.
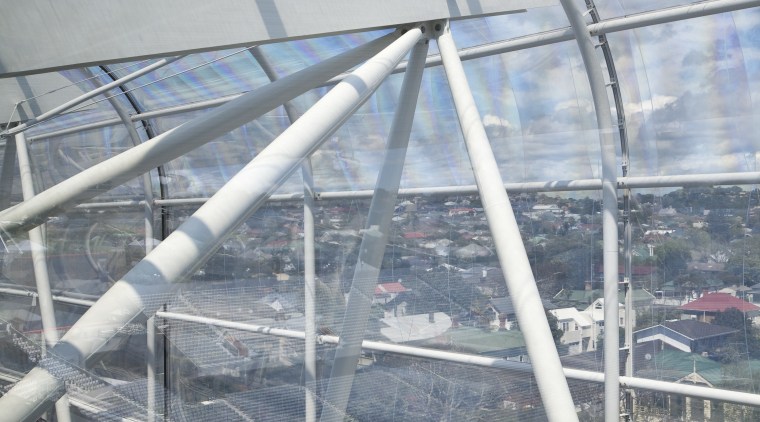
{"x":440,"y":286}
{"x":473,"y":32}
{"x":56,"y":159}
{"x":291,"y":56}
{"x":201,"y":172}
{"x":222,"y":73}
{"x":616,"y":8}
{"x":86,"y":250}
{"x":687,"y":84}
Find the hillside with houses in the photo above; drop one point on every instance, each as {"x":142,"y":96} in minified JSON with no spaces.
{"x":695,"y":278}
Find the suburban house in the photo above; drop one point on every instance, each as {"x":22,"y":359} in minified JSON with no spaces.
{"x":686,"y":335}
{"x":386,"y":292}
{"x":706,"y":307}
{"x":581,"y":299}
{"x":577,"y":328}
{"x":504,"y":310}
{"x":582,"y":328}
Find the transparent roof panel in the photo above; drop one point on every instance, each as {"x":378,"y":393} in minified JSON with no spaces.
{"x":472,"y":32}
{"x":687,"y":90}
{"x":196,"y":77}
{"x":58,"y":158}
{"x":690,"y":94}
{"x":91,"y":111}
{"x":204,"y":170}
{"x":292,"y":56}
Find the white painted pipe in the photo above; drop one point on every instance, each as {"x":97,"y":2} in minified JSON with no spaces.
{"x":529,"y":310}
{"x":146,"y":285}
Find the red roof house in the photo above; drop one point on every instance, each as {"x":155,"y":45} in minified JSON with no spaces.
{"x":385,"y":292}
{"x":389,"y":288}
{"x":708,"y":305}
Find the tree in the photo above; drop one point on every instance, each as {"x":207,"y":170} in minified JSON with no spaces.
{"x":745,"y":342}
{"x":672,"y":256}
{"x":554,"y":327}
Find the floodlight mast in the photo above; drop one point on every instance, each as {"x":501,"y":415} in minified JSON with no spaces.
{"x":142,"y":289}
{"x":547,"y":368}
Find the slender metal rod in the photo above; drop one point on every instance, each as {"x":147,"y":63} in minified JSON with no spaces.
{"x":671,"y":14}
{"x":529,"y":310}
{"x":62,"y":299}
{"x":374,"y":240}
{"x":178,"y":141}
{"x":706,"y":393}
{"x":39,"y":265}
{"x":609,"y":211}
{"x":716,"y":179}
{"x":529,"y":41}
{"x":92,"y":94}
{"x":310,"y":281}
{"x":310,"y":324}
{"x":145,"y":286}
{"x":150,"y":357}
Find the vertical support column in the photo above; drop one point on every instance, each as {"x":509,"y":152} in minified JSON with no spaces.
{"x":609,"y":212}
{"x":41,"y":277}
{"x":547,"y":368}
{"x":310,"y":314}
{"x":310,"y":327}
{"x":150,"y":352}
{"x":373,"y":243}
{"x":630,"y":319}
{"x":188,"y":247}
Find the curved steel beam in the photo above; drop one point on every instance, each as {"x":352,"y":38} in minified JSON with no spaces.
{"x":609,"y":212}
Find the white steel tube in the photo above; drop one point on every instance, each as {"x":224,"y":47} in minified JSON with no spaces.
{"x":374,"y":240}
{"x":623,"y":182}
{"x":41,"y":276}
{"x":47,"y":311}
{"x":310,"y":281}
{"x":62,"y":299}
{"x":190,"y":245}
{"x":609,"y":211}
{"x":706,"y":393}
{"x":310,"y":323}
{"x":150,"y":355}
{"x":558,"y":403}
{"x":92,"y":94}
{"x":180,"y":140}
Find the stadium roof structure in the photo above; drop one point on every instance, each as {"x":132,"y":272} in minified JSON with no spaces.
{"x":262,"y":147}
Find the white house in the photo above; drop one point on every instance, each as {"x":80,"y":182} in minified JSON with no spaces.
{"x":582,"y":328}
{"x":576,"y":327}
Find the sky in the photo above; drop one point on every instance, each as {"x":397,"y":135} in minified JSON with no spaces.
{"x":690,"y":92}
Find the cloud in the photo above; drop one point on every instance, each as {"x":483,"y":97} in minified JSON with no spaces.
{"x":491,"y":120}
